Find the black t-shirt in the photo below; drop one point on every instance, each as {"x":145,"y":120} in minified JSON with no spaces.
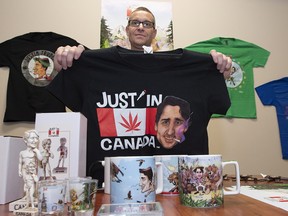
{"x":30,"y":60}
{"x":119,"y":90}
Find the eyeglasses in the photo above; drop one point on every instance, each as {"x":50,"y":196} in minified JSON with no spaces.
{"x":136,"y":23}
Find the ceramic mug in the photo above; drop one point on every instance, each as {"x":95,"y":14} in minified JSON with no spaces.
{"x":201,"y":180}
{"x":133,"y":179}
{"x":170,"y":173}
{"x":106,"y":164}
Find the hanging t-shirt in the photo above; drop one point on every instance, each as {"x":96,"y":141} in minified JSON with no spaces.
{"x":119,"y":91}
{"x":275,"y":93}
{"x":245,"y":56}
{"x":31,"y":68}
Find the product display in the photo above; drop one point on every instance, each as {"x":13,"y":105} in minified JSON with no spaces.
{"x":120,"y":91}
{"x":245,"y":56}
{"x":275,"y":93}
{"x":63,"y":145}
{"x":31,"y":68}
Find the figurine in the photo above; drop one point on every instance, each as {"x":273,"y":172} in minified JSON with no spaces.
{"x":28,"y":161}
{"x":63,"y":151}
{"x":46,"y":154}
{"x":30,"y":183}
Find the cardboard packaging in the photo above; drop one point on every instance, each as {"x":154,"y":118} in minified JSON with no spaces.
{"x":67,"y":135}
{"x":11,"y":185}
{"x":129,"y":209}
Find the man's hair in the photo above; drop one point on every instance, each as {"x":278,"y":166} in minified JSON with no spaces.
{"x":147,"y":172}
{"x":174,"y":101}
{"x":199,"y":167}
{"x":27,"y":134}
{"x":43,"y":61}
{"x":63,"y":139}
{"x":143,"y":9}
{"x":46,"y":141}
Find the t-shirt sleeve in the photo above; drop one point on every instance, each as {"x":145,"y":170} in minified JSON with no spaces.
{"x":265,"y":93}
{"x":4,"y":49}
{"x":260,"y":56}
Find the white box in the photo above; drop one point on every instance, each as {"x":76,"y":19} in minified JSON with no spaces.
{"x":72,"y":127}
{"x":11,"y":185}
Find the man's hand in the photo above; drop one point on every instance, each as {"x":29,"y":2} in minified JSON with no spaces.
{"x":224,"y":63}
{"x":64,"y":56}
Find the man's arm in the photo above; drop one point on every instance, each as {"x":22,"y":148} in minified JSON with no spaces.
{"x":65,"y":56}
{"x":38,"y":154}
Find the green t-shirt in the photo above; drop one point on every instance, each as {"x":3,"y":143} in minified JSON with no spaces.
{"x":245,"y":56}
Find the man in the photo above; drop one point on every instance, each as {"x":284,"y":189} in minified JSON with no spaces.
{"x":172,"y":121}
{"x":199,"y":179}
{"x":141,"y":31}
{"x":146,"y":181}
{"x":40,"y":68}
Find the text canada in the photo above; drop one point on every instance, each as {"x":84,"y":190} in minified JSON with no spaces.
{"x":131,"y":143}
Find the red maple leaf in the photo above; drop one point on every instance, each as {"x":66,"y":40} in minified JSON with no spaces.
{"x":132,"y":124}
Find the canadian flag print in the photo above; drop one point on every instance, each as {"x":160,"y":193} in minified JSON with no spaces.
{"x":126,"y":122}
{"x":53,"y":131}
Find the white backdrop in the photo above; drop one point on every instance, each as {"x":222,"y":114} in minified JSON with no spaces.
{"x":255,"y":143}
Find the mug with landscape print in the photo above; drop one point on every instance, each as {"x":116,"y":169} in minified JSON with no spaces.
{"x":170,"y":173}
{"x":82,"y":195}
{"x":133,"y":179}
{"x":201,"y":180}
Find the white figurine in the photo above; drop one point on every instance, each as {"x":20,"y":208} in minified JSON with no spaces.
{"x":46,"y":154}
{"x":30,"y":183}
{"x":28,"y":161}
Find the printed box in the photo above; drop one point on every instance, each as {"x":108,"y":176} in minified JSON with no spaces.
{"x":63,"y":138}
{"x":131,"y":209}
{"x":11,"y":185}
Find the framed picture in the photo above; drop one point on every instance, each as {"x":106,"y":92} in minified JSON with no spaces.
{"x":115,"y":15}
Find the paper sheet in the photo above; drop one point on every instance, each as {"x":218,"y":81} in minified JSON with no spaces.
{"x":275,"y":197}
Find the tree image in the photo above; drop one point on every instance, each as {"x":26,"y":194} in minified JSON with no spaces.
{"x":105,"y":34}
{"x":170,"y":33}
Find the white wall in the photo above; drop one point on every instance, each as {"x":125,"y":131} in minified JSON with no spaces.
{"x":255,"y":143}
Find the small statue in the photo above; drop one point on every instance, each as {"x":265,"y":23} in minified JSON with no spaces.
{"x":28,"y":161}
{"x":30,"y":183}
{"x":63,"y":151}
{"x":63,"y":154}
{"x":46,"y":154}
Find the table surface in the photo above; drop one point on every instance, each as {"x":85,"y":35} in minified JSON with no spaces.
{"x":235,"y":205}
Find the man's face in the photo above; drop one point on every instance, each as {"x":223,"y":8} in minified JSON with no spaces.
{"x":139,"y":36}
{"x":39,"y":70}
{"x":48,"y":146}
{"x":31,"y":169}
{"x":33,"y":140}
{"x":170,"y":127}
{"x":144,"y":183}
{"x":198,"y":173}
